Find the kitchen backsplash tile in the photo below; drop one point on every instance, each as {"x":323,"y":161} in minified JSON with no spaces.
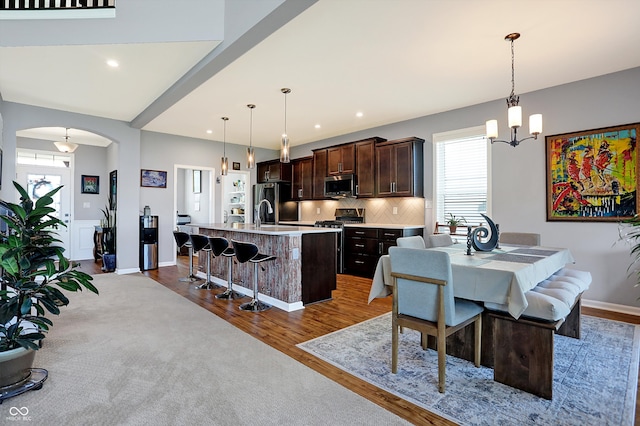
{"x":409,"y":210}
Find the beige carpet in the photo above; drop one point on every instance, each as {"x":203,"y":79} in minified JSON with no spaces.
{"x":140,"y":354}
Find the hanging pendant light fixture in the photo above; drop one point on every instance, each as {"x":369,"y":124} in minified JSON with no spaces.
{"x":514,"y":112}
{"x":224,"y":165}
{"x":66,"y":146}
{"x":251,"y":159}
{"x":284,"y":144}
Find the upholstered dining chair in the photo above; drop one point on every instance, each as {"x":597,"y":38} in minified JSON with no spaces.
{"x":520,"y":238}
{"x":415,"y":241}
{"x":423,"y":300}
{"x":440,"y":240}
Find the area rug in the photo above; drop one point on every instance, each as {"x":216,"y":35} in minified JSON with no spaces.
{"x":595,"y":378}
{"x":140,"y":354}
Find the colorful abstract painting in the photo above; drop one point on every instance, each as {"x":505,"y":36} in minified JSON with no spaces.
{"x":593,"y":175}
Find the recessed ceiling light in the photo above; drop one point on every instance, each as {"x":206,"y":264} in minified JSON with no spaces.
{"x":113,"y":63}
{"x":317,"y":126}
{"x":209,"y":131}
{"x":359,"y":114}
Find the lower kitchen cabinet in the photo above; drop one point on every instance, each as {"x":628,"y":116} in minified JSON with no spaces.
{"x":364,"y":246}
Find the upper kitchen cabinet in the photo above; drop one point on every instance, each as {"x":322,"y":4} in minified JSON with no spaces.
{"x":400,"y":168}
{"x":341,"y":159}
{"x":302,"y":181}
{"x":365,"y":167}
{"x":319,"y":172}
{"x":274,"y":171}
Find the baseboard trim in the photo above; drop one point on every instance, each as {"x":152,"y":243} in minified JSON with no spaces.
{"x":288,"y":307}
{"x":623,"y":309}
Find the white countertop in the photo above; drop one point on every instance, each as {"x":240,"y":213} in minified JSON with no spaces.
{"x":264,"y":229}
{"x":359,"y":225}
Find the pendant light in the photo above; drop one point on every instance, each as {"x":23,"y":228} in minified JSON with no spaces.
{"x":284,"y":144}
{"x":224,"y":165}
{"x":251,"y":159}
{"x":514,"y":111}
{"x":66,"y":146}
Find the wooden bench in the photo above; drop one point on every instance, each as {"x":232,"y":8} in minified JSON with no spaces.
{"x":520,"y":351}
{"x":523,"y":348}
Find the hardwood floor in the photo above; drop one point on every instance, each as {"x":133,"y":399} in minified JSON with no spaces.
{"x":283,"y":330}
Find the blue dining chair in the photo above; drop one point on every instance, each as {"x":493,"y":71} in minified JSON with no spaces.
{"x":415,"y":241}
{"x":423,"y":301}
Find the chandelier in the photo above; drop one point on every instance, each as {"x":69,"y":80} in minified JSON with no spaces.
{"x":514,"y":112}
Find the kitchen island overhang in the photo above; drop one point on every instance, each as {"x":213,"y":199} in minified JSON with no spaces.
{"x":303,"y":272}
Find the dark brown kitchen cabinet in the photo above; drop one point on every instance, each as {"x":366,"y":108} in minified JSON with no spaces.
{"x":302,"y":179}
{"x":319,"y":172}
{"x":365,"y":168}
{"x":399,"y":168}
{"x":274,"y":171}
{"x":364,"y":246}
{"x":361,"y":251}
{"x":341,"y":159}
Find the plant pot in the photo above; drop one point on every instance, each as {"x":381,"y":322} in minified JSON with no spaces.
{"x":452,"y":229}
{"x":108,"y":262}
{"x":15,"y":366}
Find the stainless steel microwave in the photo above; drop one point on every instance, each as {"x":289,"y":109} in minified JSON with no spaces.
{"x":340,"y":186}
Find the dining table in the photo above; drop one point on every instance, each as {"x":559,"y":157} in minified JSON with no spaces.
{"x":502,"y":275}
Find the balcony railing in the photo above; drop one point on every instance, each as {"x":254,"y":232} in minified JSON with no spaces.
{"x":24,"y":5}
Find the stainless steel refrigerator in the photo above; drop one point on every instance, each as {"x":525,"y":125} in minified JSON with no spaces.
{"x":278,"y":195}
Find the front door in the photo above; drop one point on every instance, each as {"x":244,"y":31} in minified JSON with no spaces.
{"x":39,"y":180}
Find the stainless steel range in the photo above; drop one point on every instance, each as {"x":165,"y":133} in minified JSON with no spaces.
{"x":342,"y":216}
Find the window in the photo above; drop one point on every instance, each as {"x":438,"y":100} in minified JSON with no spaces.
{"x":37,"y":158}
{"x":461,"y":182}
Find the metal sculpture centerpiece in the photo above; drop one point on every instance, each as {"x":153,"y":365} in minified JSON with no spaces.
{"x":476,"y":236}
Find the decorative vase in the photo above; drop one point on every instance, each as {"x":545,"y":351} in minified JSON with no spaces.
{"x":15,"y":366}
{"x":108,"y":262}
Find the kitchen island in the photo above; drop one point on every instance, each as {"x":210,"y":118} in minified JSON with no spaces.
{"x":303,"y":272}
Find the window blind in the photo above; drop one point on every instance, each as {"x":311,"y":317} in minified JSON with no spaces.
{"x":461,"y":178}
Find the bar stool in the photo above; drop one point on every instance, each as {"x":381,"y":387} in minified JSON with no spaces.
{"x":201,"y":243}
{"x":183,"y":240}
{"x":248,"y":252}
{"x":220,"y":247}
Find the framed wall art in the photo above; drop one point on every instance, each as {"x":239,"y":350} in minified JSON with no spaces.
{"x":90,"y":184}
{"x":592,"y":175}
{"x":153,"y":178}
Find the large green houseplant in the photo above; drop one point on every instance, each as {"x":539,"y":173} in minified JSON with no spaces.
{"x":34,"y":271}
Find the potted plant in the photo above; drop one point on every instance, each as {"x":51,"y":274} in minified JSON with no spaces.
{"x":629,"y":232}
{"x":108,"y":224}
{"x":454,"y":222}
{"x":34,"y":271}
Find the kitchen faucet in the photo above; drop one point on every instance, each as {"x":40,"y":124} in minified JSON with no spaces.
{"x":257,"y":212}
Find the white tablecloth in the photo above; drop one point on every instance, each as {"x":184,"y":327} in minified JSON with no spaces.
{"x":500,"y":276}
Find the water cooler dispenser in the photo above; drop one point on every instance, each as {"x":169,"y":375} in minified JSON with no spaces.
{"x":148,"y":242}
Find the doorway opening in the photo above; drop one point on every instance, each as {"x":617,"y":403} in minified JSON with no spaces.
{"x":194,"y":195}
